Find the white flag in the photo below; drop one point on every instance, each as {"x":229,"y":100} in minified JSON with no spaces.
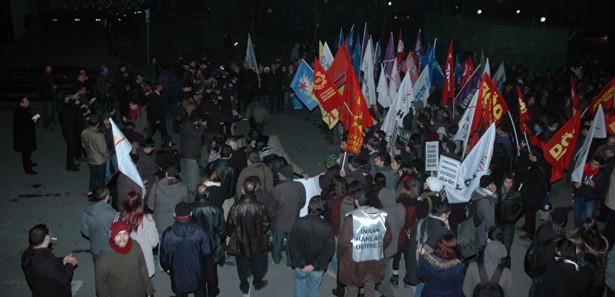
{"x":597,"y":130}
{"x":465,"y":123}
{"x":400,"y":107}
{"x":475,"y":165}
{"x":500,"y":75}
{"x":422,"y":88}
{"x":383,"y":90}
{"x":487,"y":68}
{"x":251,"y":58}
{"x":122,"y":152}
{"x":394,"y":81}
{"x":369,"y":81}
{"x":326,"y":57}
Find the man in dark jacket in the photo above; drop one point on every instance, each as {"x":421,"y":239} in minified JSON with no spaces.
{"x":24,"y":133}
{"x":588,"y":190}
{"x":566,"y":278}
{"x":47,"y":275}
{"x":96,"y":222}
{"x":70,"y":117}
{"x":311,"y":244}
{"x":354,"y":172}
{"x":155,"y":111}
{"x":225,"y":170}
{"x":46,"y":93}
{"x":289,"y":198}
{"x":247,"y":226}
{"x":183,"y":249}
{"x":211,"y":218}
{"x":535,"y":183}
{"x":190,"y":150}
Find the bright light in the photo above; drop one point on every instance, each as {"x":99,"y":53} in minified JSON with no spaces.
{"x":77,"y":20}
{"x":518,"y":11}
{"x":236,"y":43}
{"x":54,"y":20}
{"x":119,"y":20}
{"x":479,"y":11}
{"x":390,"y":3}
{"x":543,"y":19}
{"x":98,"y":20}
{"x":395,"y":17}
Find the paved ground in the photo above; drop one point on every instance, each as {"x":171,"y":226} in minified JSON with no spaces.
{"x":56,"y":197}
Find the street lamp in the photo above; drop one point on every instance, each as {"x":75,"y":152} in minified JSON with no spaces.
{"x":543,"y":19}
{"x":518,"y":11}
{"x":479,"y":11}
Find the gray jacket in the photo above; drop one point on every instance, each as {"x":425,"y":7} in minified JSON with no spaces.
{"x":162,"y":198}
{"x":494,"y":252}
{"x":485,"y":201}
{"x":396,"y":218}
{"x":96,"y":225}
{"x":289,"y":198}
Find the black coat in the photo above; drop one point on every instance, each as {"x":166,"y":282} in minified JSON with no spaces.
{"x":563,"y":280}
{"x":47,"y":276}
{"x":247,"y":226}
{"x":155,"y":107}
{"x":183,"y":248}
{"x":535,"y":186}
{"x":24,"y":132}
{"x":211,"y":218}
{"x":311,"y":242}
{"x":70,"y":116}
{"x":227,"y":175}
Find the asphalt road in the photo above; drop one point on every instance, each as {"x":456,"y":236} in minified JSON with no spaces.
{"x":56,"y":197}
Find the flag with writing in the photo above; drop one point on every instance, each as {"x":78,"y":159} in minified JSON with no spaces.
{"x":464,"y":96}
{"x":400,"y":49}
{"x":490,"y":108}
{"x":525,"y":121}
{"x":324,"y":89}
{"x":473,"y":167}
{"x":448,"y":89}
{"x":605,"y":98}
{"x":597,"y":130}
{"x":559,"y":151}
{"x":610,"y":124}
{"x":326,"y":57}
{"x":360,"y":116}
{"x":124,"y":161}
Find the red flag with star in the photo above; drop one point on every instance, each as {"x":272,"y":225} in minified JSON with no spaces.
{"x":360,"y":118}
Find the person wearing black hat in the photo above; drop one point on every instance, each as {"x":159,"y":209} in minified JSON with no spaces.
{"x":183,"y":249}
{"x":97,"y":153}
{"x":289,"y":197}
{"x":485,"y":198}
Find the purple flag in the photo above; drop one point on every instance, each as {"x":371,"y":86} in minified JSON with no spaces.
{"x":466,"y":93}
{"x":389,"y":57}
{"x":418,"y":51}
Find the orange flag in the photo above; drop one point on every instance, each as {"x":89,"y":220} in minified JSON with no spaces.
{"x":610,"y":124}
{"x":360,"y":116}
{"x":559,"y":151}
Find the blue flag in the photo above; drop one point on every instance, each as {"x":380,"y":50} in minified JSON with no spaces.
{"x":302,"y":85}
{"x":437,"y":74}
{"x":340,"y":40}
{"x":458,"y":70}
{"x":356,"y":59}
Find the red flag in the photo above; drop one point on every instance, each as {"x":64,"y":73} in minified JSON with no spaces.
{"x":337,"y":71}
{"x":400,"y":50}
{"x":525,"y":121}
{"x":574,"y":106}
{"x":324,"y":90}
{"x":468,"y":68}
{"x":448,"y":90}
{"x":610,"y":124}
{"x":605,"y":98}
{"x":559,"y":151}
{"x":490,"y":108}
{"x":360,"y":116}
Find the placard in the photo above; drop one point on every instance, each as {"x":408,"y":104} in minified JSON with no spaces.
{"x":447,"y":171}
{"x":431,"y":155}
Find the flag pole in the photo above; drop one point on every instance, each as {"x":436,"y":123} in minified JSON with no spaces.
{"x":527,"y":142}
{"x":515,"y":131}
{"x":344,"y":160}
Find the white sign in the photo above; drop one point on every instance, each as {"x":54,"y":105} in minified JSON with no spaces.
{"x":431,"y":156}
{"x":447,"y":171}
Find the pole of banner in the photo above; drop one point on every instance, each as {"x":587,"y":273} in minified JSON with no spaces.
{"x":584,"y":112}
{"x":465,"y":145}
{"x":344,"y":160}
{"x":515,"y":131}
{"x":527,"y":142}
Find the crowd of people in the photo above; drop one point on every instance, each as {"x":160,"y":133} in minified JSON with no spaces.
{"x":223,"y":194}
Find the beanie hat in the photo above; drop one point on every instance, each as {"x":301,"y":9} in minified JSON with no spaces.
{"x":287,"y":171}
{"x":118,"y":227}
{"x":485,"y":180}
{"x":434,"y":184}
{"x":331,"y":160}
{"x":182,"y":210}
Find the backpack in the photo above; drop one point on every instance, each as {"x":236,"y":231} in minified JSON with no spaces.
{"x":470,"y":211}
{"x":511,"y":209}
{"x":488,"y":287}
{"x":535,"y":261}
{"x":466,"y":235}
{"x":421,"y":236}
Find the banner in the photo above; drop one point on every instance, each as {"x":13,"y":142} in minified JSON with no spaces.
{"x":303,"y":83}
{"x":422,"y":88}
{"x":597,"y":130}
{"x":431,"y":155}
{"x":369,"y":81}
{"x":448,"y":89}
{"x":383,"y":90}
{"x":466,"y":93}
{"x":448,"y":170}
{"x":124,"y":161}
{"x":490,"y":108}
{"x":605,"y":98}
{"x":473,"y":167}
{"x":559,"y":151}
{"x":326,"y":57}
{"x":324,"y":90}
{"x":251,"y":58}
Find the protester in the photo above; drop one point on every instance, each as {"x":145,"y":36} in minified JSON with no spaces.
{"x":587,"y":193}
{"x":47,"y":275}
{"x":24,"y":133}
{"x":495,"y":252}
{"x":163,"y":197}
{"x":442,"y":269}
{"x":485,"y":198}
{"x":97,"y":153}
{"x":509,"y":210}
{"x":567,"y":278}
{"x":95,"y":222}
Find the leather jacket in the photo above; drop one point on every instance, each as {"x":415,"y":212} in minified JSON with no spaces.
{"x":227,"y":175}
{"x":247,"y":226}
{"x":211,"y":218}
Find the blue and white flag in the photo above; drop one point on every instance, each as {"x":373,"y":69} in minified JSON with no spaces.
{"x":302,"y":85}
{"x":251,"y":58}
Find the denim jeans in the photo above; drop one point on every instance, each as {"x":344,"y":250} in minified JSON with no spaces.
{"x":278,"y":241}
{"x":97,"y":176}
{"x":534,"y":287}
{"x":190,"y":173}
{"x":509,"y":236}
{"x":311,"y":280}
{"x":583,"y":209}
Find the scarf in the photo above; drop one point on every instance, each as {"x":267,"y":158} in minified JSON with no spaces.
{"x":589,"y":172}
{"x":134,"y":113}
{"x":121,"y":250}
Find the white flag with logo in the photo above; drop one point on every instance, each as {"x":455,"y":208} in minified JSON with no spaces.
{"x":369,"y":81}
{"x":122,"y":151}
{"x":465,"y":123}
{"x":422,"y":88}
{"x":473,"y":167}
{"x":383,"y":90}
{"x":597,"y":130}
{"x":326,"y":57}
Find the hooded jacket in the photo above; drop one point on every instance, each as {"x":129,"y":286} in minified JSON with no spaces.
{"x":494,"y":252}
{"x":442,"y":278}
{"x":163,"y":197}
{"x":96,"y":225}
{"x":485,"y":201}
